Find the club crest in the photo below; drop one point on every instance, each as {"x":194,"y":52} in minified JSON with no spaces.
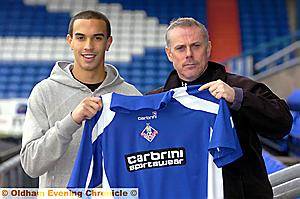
{"x":149,"y":132}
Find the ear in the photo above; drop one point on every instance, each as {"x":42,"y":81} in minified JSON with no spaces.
{"x":69,"y":40}
{"x":208,"y":49}
{"x":108,"y":43}
{"x":169,"y":53}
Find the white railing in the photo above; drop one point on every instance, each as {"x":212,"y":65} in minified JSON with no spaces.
{"x":286,"y":182}
{"x":284,"y":54}
{"x":245,"y":65}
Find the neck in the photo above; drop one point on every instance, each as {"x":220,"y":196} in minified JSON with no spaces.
{"x":89,"y":76}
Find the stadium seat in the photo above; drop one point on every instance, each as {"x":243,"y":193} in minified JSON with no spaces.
{"x":138,"y":27}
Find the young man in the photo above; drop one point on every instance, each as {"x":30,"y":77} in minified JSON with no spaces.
{"x":254,"y":108}
{"x":59,"y":104}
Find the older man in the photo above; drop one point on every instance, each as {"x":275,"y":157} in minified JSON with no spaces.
{"x":255,"y":109}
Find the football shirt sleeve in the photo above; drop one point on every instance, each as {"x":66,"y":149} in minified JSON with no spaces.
{"x":224,"y":145}
{"x":87,"y":168}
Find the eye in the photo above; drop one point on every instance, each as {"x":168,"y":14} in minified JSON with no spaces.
{"x":80,"y":38}
{"x":179,"y":48}
{"x":98,"y":38}
{"x":196,"y":46}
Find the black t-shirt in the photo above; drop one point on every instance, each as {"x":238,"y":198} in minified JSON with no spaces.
{"x":92,"y":87}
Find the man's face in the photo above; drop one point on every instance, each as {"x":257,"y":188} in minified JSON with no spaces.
{"x":89,"y":42}
{"x":188,"y":51}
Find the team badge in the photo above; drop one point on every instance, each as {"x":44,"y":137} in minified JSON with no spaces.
{"x":149,"y":132}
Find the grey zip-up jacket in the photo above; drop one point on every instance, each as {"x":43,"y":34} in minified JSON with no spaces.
{"x":51,"y":137}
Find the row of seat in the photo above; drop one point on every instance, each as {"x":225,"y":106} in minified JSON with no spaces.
{"x":142,"y":60}
{"x":166,"y":10}
{"x":262,"y":21}
{"x":38,"y":48}
{"x":141,"y":71}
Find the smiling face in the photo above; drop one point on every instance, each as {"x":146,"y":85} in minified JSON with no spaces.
{"x":89,"y":42}
{"x":189,"y":51}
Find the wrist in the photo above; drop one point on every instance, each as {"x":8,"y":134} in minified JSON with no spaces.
{"x":76,"y":119}
{"x":238,"y":98}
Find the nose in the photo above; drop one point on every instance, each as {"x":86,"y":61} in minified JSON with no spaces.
{"x":189,"y":52}
{"x":88,"y":44}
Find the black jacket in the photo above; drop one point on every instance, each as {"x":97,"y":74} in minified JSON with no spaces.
{"x":261,"y":112}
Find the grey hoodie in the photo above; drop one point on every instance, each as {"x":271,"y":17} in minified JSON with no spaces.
{"x":50,"y":136}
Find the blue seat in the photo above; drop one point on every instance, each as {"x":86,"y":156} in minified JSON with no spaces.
{"x":16,"y":71}
{"x":11,"y":94}
{"x":13,"y":87}
{"x":158,"y":8}
{"x":29,"y":79}
{"x":43,"y":71}
{"x":23,"y":94}
{"x":4,"y":70}
{"x":266,"y":20}
{"x":272,"y":164}
{"x":4,"y":79}
{"x":15,"y":79}
{"x":26,"y":87}
{"x":2,"y":87}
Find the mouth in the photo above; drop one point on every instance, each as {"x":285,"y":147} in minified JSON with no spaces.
{"x":88,"y":57}
{"x":189,"y":65}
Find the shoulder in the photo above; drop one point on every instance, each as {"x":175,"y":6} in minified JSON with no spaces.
{"x":40,"y":87}
{"x":243,"y":82}
{"x":37,"y":95}
{"x":155,"y":91}
{"x":45,"y":90}
{"x":128,"y":89}
{"x":219,"y":72}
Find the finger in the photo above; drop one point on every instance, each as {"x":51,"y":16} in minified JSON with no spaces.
{"x":220,"y":86}
{"x":219,"y":95}
{"x":95,"y":99}
{"x":207,"y":85}
{"x":89,"y":115}
{"x":214,"y":92}
{"x":88,"y":112}
{"x":219,"y":89}
{"x":99,"y":102}
{"x":95,"y":105}
{"x":214,"y":87}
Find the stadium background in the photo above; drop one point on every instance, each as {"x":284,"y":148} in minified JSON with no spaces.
{"x":256,"y":38}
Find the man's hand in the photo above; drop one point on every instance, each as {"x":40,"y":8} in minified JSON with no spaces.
{"x":87,"y":108}
{"x":220,"y":89}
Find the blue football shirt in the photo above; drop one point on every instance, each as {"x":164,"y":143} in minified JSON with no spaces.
{"x":158,"y":143}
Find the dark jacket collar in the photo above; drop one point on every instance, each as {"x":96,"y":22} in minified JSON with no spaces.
{"x":213,"y":72}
